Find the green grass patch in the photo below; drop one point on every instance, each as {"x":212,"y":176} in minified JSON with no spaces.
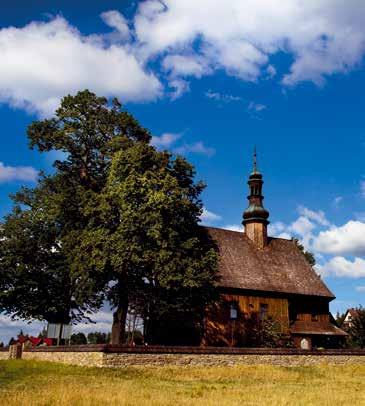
{"x":44,"y":383}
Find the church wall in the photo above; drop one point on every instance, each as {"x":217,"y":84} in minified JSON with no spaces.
{"x":309,"y":309}
{"x":221,"y":330}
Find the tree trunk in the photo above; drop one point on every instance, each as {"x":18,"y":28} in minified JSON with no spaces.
{"x":119,"y":320}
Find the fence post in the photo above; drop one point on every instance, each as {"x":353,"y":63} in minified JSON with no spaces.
{"x":15,"y":351}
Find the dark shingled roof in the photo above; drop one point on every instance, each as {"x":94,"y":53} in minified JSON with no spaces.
{"x":279,"y":267}
{"x":315,"y":327}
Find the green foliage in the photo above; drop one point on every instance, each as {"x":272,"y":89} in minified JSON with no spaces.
{"x":308,"y":255}
{"x":340,"y":317}
{"x":78,"y":339}
{"x":270,"y":333}
{"x":161,"y":260}
{"x":88,"y":131}
{"x":357,"y":329}
{"x":135,"y":338}
{"x":117,"y":219}
{"x":264,"y":333}
{"x":98,"y":338}
{"x":37,"y":238}
{"x":41,"y":276}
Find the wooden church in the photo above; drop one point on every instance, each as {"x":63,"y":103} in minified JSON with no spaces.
{"x":266,"y":278}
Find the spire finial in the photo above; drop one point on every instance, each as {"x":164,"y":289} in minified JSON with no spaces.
{"x":254,"y":160}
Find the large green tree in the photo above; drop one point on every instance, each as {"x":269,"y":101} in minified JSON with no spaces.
{"x":36,"y":280}
{"x":162,"y":261}
{"x":117,"y":218}
{"x":40,"y":276}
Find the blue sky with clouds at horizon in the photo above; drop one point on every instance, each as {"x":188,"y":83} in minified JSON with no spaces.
{"x":210,"y":81}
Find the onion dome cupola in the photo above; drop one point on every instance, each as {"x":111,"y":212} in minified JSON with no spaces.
{"x":255,"y":217}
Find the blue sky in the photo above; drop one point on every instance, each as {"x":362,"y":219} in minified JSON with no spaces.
{"x":210,"y":81}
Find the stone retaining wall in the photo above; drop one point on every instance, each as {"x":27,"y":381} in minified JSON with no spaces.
{"x":92,"y":359}
{"x":109,"y":356}
{"x":125,"y":360}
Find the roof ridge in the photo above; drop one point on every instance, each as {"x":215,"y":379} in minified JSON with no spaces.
{"x":242,"y":232}
{"x":225,"y":229}
{"x":278,"y":268}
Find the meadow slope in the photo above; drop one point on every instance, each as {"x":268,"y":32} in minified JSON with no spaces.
{"x":41,"y":383}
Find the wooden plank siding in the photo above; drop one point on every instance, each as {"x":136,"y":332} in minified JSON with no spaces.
{"x":221,"y":330}
{"x":313,"y":317}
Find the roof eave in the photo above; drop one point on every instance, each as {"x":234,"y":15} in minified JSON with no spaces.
{"x":276,"y":292}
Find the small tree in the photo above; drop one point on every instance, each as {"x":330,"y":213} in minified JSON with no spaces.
{"x":98,"y":338}
{"x":263,"y":333}
{"x":308,"y":255}
{"x":340,"y":317}
{"x":270,"y":333}
{"x":357,"y":328}
{"x":78,"y":339}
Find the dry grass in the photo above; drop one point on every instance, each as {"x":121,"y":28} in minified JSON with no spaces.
{"x":40,"y":383}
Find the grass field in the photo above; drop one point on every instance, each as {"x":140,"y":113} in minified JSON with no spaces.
{"x":25,"y":383}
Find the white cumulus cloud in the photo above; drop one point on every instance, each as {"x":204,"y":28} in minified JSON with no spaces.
{"x":168,"y":140}
{"x":256,"y":107}
{"x":209,"y":217}
{"x":317,"y":216}
{"x":302,"y":226}
{"x":348,"y":239}
{"x":17,"y":173}
{"x":344,"y":268}
{"x":279,"y":230}
{"x":185,"y":65}
{"x":323,"y":36}
{"x":234,"y":227}
{"x":165,"y":140}
{"x":221,"y":97}
{"x":196,"y":148}
{"x":11,"y":328}
{"x":43,"y":61}
{"x":117,"y":21}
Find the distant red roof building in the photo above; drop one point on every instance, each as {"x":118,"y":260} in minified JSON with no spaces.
{"x":33,"y":341}
{"x":350,"y":315}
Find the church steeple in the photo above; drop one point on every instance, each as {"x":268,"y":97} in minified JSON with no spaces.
{"x":255,"y":217}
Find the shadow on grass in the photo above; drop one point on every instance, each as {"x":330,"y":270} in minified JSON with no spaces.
{"x":32,"y":373}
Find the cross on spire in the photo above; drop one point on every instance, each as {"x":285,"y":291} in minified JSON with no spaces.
{"x":255,"y":170}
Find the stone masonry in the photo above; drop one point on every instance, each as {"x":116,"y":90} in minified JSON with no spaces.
{"x":125,"y":360}
{"x":126,"y":357}
{"x":90,"y":359}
